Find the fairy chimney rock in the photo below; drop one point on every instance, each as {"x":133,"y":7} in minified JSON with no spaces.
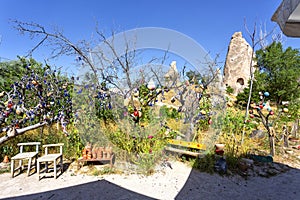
{"x":172,"y":76}
{"x":237,"y":64}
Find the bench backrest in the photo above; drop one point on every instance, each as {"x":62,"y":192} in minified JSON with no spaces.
{"x":60,"y":145}
{"x":21,"y":145}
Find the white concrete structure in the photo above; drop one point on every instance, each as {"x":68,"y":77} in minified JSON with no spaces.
{"x":287,"y":16}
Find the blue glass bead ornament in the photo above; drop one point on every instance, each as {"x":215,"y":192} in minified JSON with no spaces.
{"x":266,"y":94}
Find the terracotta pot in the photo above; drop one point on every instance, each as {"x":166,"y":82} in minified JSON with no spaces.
{"x":220,"y":146}
{"x":94,"y":153}
{"x":108,"y":154}
{"x":6,"y":160}
{"x":100,"y":153}
{"x":109,"y":151}
{"x":104,"y":154}
{"x":89,"y":156}
{"x":89,"y":153}
{"x":84,"y":153}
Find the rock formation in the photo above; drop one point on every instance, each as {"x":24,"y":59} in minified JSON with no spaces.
{"x":237,"y":65}
{"x":172,"y":76}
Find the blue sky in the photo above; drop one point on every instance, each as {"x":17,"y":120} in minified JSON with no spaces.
{"x":210,"y":23}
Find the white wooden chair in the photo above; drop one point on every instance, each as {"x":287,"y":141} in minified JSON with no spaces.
{"x":22,"y":156}
{"x":55,"y":158}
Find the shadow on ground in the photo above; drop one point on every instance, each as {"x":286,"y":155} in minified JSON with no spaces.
{"x":199,"y":185}
{"x":101,"y":189}
{"x":284,"y":185}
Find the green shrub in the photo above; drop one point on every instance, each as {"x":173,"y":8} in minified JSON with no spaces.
{"x":205,"y":164}
{"x":142,"y":146}
{"x":229,"y":90}
{"x":170,"y":113}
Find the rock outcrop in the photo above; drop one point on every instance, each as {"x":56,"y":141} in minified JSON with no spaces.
{"x":172,"y":77}
{"x":237,"y":65}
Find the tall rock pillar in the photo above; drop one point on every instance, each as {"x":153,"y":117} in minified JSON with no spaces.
{"x":237,"y":65}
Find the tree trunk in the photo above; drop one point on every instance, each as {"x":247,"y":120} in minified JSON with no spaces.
{"x":272,"y":145}
{"x":272,"y":140}
{"x":295,"y":128}
{"x":190,"y":132}
{"x":285,"y":134}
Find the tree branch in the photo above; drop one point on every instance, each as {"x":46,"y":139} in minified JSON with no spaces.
{"x":12,"y":132}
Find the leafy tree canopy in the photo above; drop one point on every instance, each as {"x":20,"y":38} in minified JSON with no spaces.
{"x":278,"y":73}
{"x":279,"y":70}
{"x":193,"y":76}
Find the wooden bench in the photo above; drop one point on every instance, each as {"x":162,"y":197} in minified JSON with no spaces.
{"x":85,"y":160}
{"x":182,"y":147}
{"x":55,"y":158}
{"x":24,"y":156}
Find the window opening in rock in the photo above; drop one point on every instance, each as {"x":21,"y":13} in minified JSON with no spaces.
{"x":240,"y":81}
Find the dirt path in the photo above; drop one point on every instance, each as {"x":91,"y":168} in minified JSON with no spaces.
{"x":181,"y":182}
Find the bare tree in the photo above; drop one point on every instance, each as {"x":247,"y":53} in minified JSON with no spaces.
{"x":262,"y":41}
{"x":59,"y":43}
{"x":254,"y":42}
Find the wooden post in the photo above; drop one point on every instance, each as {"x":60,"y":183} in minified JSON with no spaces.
{"x":272,"y":141}
{"x":285,"y":136}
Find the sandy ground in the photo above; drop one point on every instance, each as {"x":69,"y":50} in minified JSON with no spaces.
{"x":181,"y":182}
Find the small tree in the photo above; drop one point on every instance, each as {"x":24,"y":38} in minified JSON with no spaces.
{"x":278,"y":74}
{"x":254,"y":42}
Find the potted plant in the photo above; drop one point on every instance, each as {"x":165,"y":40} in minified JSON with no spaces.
{"x":6,"y":151}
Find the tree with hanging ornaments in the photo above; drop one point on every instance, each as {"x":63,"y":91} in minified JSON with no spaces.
{"x":35,"y":97}
{"x":201,"y":100}
{"x":265,"y":114}
{"x":92,"y":105}
{"x":278,"y":73}
{"x":144,"y":98}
